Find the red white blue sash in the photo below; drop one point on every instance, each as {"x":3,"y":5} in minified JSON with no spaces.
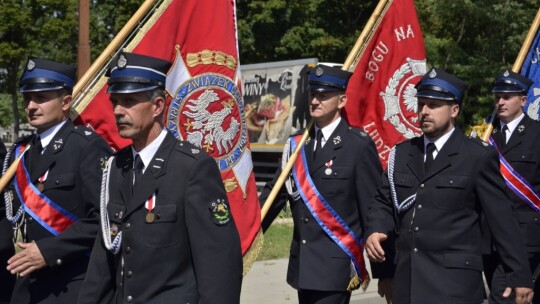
{"x":326,"y":217}
{"x":519,"y":185}
{"x":46,"y":212}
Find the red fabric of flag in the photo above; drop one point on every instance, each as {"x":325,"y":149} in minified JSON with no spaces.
{"x":381,"y":93}
{"x":206,"y":105}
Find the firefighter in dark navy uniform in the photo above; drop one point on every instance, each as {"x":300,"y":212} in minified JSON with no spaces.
{"x":517,"y":138}
{"x":344,"y":169}
{"x":54,"y":197}
{"x":433,"y":192}
{"x":167,"y":231}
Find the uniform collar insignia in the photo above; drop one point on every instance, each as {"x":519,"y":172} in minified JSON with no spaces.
{"x":337,"y":140}
{"x":506,"y":73}
{"x":495,"y":130}
{"x":57,"y":145}
{"x":319,"y":71}
{"x":521,"y":128}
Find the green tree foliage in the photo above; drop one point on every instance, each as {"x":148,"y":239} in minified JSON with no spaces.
{"x":473,"y":39}
{"x":49,"y":29}
{"x":271,"y":30}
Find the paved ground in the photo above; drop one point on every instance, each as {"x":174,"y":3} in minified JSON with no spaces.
{"x":265,"y":284}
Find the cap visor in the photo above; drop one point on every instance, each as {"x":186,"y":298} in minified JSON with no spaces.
{"x":39,"y":87}
{"x":506,"y":89}
{"x":434,"y":95}
{"x":318,"y":88}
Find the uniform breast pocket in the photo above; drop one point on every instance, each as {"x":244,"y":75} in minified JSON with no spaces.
{"x":337,"y":181}
{"x":404,"y":180}
{"x":529,"y":157}
{"x":405,"y":185}
{"x":59,"y":181}
{"x":449,"y":191}
{"x":57,"y":188}
{"x":163,"y":228}
{"x":116,"y":212}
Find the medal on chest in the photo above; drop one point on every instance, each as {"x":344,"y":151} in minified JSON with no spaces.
{"x":328,"y":169}
{"x":41,"y":181}
{"x":150,"y":204}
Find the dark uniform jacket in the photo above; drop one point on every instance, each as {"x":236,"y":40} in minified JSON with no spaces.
{"x":315,"y":261}
{"x":523,"y":153}
{"x":6,"y":246}
{"x":439,"y":244}
{"x":187,"y":254}
{"x":74,"y":159}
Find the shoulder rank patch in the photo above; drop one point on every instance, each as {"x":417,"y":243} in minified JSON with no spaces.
{"x":220,"y":212}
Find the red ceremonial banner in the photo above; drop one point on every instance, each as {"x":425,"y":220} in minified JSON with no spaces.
{"x":381,"y":94}
{"x":206,"y":106}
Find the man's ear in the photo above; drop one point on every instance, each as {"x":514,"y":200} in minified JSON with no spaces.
{"x":66,"y":102}
{"x":454,"y":110}
{"x":159,"y":106}
{"x":342,"y":101}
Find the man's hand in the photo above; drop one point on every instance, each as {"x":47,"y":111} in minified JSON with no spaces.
{"x":28,"y":260}
{"x":524,"y":295}
{"x":373,"y":247}
{"x":385,"y":289}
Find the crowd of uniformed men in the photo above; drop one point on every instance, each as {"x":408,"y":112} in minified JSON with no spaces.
{"x":140,"y":225}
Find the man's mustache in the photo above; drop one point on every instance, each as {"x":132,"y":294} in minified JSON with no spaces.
{"x":122,"y":121}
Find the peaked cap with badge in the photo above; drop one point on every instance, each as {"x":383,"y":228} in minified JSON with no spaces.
{"x":44,"y":75}
{"x":438,"y":84}
{"x":133,"y":73}
{"x":511,"y":82}
{"x":323,"y":78}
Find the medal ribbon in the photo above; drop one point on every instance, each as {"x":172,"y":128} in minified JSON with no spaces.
{"x":46,"y":212}
{"x":150,"y":203}
{"x":519,"y":185}
{"x":326,"y":217}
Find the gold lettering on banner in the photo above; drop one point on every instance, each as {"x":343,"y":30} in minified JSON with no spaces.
{"x":211,"y":57}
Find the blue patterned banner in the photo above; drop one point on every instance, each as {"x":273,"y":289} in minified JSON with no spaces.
{"x":531,"y":69}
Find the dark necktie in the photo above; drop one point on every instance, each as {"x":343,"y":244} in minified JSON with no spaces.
{"x":503,"y":136}
{"x":429,"y":156}
{"x":138,"y":166}
{"x":319,"y":144}
{"x":35,"y":153}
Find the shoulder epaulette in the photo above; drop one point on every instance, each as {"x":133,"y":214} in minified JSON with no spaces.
{"x":478,"y":141}
{"x":358,"y":132}
{"x":85,"y":132}
{"x":188,"y":149}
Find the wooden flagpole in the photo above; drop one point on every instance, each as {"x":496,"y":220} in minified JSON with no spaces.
{"x":517,"y":66}
{"x":112,"y":47}
{"x":360,"y":44}
{"x":96,"y":66}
